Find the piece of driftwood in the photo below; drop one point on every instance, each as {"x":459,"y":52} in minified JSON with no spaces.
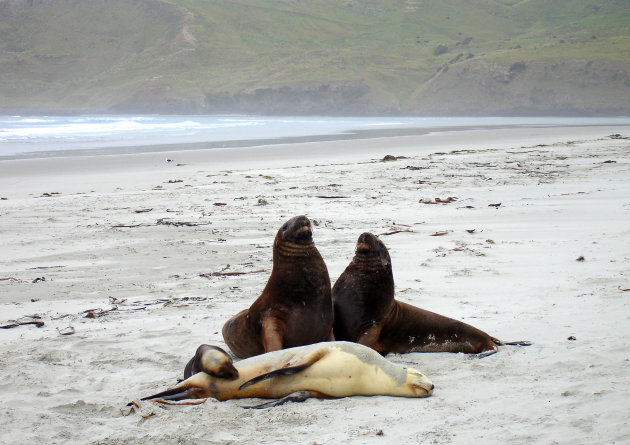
{"x":95,"y":313}
{"x":446,"y":200}
{"x":228,"y":274}
{"x":395,"y":232}
{"x":166,"y":222}
{"x":39,"y":324}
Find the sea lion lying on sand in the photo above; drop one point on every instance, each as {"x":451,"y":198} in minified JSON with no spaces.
{"x":322,"y":370}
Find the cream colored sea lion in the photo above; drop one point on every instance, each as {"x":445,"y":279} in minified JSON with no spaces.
{"x":367,"y":313}
{"x":321,"y":370}
{"x":295,"y":307}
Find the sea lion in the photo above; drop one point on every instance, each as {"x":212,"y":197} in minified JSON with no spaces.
{"x":367,"y":313}
{"x":321,"y":370}
{"x":295,"y":307}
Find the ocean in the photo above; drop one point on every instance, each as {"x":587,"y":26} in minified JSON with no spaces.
{"x":42,"y":136}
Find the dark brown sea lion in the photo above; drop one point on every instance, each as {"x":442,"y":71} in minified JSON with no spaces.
{"x":322,"y":370}
{"x":295,"y":308}
{"x":367,"y":313}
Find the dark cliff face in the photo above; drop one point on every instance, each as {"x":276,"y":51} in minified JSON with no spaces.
{"x":322,"y":99}
{"x":473,"y":88}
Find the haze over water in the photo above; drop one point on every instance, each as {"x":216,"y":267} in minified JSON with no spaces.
{"x":37,"y":135}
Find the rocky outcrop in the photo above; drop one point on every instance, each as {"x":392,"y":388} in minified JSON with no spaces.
{"x":349,"y":98}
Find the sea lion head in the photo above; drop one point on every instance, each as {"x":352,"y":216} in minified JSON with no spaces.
{"x":419,"y":385}
{"x":295,"y":236}
{"x":216,"y":362}
{"x":371,"y":249}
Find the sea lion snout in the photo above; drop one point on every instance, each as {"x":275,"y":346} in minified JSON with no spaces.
{"x":419,"y":383}
{"x":370,"y":246}
{"x":367,"y":245}
{"x":298,"y":230}
{"x":225,"y":370}
{"x":304,"y":233}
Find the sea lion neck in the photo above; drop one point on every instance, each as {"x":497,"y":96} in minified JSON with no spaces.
{"x":290,"y":249}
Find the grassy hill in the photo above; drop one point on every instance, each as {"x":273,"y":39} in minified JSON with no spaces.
{"x":316,"y":56}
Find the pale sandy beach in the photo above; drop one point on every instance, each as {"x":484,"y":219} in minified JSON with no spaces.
{"x":537,"y":247}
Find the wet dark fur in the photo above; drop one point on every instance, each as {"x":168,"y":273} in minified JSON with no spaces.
{"x":367,"y":313}
{"x":295,"y":307}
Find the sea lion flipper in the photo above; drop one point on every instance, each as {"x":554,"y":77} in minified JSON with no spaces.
{"x":298,"y":396}
{"x":484,"y":354}
{"x":370,"y":337}
{"x":511,"y":343}
{"x":194,"y":387}
{"x":176,"y":393}
{"x":272,"y":333}
{"x":275,"y":373}
{"x":518,"y":343}
{"x":288,"y":369}
{"x":188,"y":369}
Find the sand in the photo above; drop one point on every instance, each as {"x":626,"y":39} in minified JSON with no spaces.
{"x":128,"y":238}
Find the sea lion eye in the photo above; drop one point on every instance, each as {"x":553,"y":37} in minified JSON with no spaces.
{"x":285,"y":227}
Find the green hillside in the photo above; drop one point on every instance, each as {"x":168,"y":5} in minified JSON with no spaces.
{"x":316,"y":56}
